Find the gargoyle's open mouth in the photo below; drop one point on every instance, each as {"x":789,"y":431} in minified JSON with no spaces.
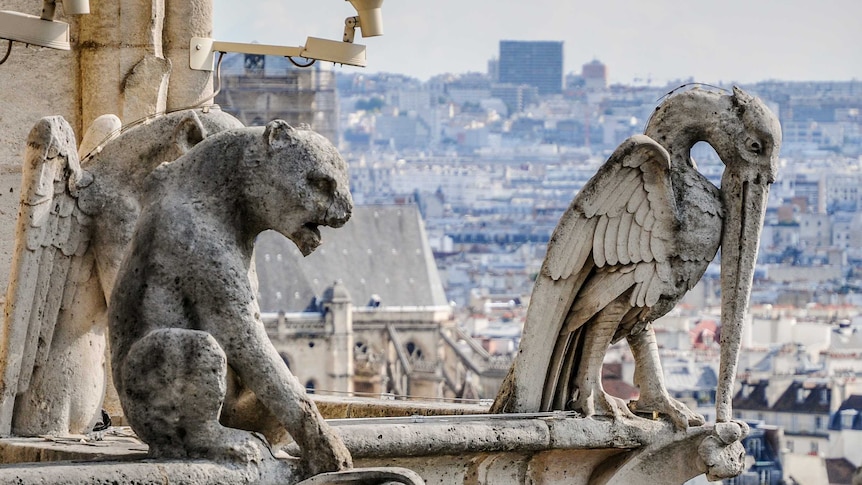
{"x":313,"y":228}
{"x":307,"y":238}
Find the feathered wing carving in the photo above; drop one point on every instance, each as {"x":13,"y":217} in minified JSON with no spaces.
{"x":50,"y":258}
{"x":625,"y":217}
{"x":616,"y":236}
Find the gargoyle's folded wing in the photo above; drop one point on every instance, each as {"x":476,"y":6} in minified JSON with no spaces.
{"x":50,"y":258}
{"x":615,"y":235}
{"x":620,"y":227}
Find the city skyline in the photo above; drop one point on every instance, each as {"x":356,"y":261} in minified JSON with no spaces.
{"x":662,"y":41}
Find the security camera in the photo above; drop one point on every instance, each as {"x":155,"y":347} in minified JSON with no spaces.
{"x":41,"y":31}
{"x":369,"y":21}
{"x":202,"y":51}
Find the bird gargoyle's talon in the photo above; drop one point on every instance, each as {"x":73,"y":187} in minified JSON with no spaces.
{"x":680,"y":415}
{"x":601,"y":404}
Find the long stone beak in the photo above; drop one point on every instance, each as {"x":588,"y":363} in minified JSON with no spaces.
{"x":744,"y":192}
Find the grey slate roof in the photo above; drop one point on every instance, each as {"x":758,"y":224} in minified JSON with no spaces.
{"x":682,"y":376}
{"x":849,"y":415}
{"x":799,"y":398}
{"x":752,"y":397}
{"x":382,"y":250}
{"x":840,"y":471}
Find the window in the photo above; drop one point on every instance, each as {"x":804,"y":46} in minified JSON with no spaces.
{"x":360,"y":349}
{"x":847,"y":418}
{"x":413,"y":351}
{"x":754,"y":448}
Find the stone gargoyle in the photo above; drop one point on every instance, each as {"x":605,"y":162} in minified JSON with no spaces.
{"x":192,"y":362}
{"x":75,"y":221}
{"x":635,"y":239}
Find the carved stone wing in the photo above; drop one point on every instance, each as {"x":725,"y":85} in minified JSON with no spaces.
{"x":50,"y":258}
{"x":622,"y":224}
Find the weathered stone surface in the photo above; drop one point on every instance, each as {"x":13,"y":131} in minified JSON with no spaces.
{"x":45,"y":82}
{"x":341,"y":407}
{"x":551,"y":448}
{"x":123,"y":68}
{"x":382,"y":475}
{"x":635,"y":239}
{"x":184,"y":20}
{"x":66,"y":262}
{"x":122,"y":63}
{"x":192,"y":472}
{"x":116,"y":444}
{"x":186,"y":275}
{"x":674,"y":459}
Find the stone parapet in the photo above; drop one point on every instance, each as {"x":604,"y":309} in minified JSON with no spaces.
{"x":513,"y":449}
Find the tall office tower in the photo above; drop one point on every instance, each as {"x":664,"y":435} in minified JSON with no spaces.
{"x":536,"y":63}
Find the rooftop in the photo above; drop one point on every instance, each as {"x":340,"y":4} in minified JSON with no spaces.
{"x":381,"y":255}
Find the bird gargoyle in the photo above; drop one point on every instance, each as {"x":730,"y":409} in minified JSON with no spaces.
{"x":635,"y":239}
{"x":75,"y":220}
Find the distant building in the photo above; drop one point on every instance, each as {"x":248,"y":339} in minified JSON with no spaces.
{"x":494,"y":69}
{"x":516,"y":97}
{"x":258,"y":89}
{"x":845,"y":429}
{"x":801,"y":407}
{"x":402,"y":131}
{"x":595,"y":75}
{"x":384,"y":327}
{"x":535,"y":63}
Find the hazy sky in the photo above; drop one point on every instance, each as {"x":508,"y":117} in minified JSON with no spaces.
{"x":722,"y":40}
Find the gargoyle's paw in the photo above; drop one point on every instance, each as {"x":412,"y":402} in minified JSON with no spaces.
{"x":214,"y":441}
{"x":328,"y":454}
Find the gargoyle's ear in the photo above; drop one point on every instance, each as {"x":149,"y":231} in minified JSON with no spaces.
{"x":278,"y":134}
{"x":101,"y":130}
{"x":189,"y":132}
{"x":741,"y":96}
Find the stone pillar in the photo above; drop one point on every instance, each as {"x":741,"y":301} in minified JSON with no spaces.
{"x":338,"y":307}
{"x":35,"y":83}
{"x":123,"y":67}
{"x":117,"y":65}
{"x":186,"y":19}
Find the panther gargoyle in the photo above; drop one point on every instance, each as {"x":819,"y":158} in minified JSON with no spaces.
{"x":184,"y":324}
{"x":75,"y":221}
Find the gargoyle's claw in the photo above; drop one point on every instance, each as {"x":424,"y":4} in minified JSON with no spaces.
{"x":600,"y":403}
{"x":680,"y":415}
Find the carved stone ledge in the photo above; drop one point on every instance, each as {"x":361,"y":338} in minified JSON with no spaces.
{"x":490,"y":449}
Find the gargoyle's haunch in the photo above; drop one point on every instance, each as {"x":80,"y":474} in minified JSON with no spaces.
{"x":636,"y":238}
{"x":183,"y":316}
